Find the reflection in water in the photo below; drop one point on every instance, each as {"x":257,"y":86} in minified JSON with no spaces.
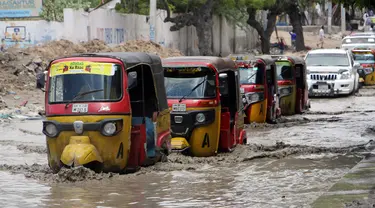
{"x":17,"y":191}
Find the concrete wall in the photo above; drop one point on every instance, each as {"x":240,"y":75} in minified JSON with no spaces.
{"x":26,"y":33}
{"x":115,"y":28}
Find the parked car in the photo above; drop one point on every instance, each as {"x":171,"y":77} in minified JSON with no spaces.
{"x":331,"y":72}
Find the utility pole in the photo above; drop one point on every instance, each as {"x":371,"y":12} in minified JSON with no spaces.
{"x":152,"y":20}
{"x":343,"y":20}
{"x":329,"y":20}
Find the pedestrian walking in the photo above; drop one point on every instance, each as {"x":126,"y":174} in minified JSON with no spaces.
{"x":293,"y":37}
{"x":282,"y":45}
{"x":321,"y":37}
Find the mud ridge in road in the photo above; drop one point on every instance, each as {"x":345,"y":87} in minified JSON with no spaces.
{"x":25,"y":148}
{"x":45,"y":174}
{"x":177,"y":162}
{"x":288,"y":122}
{"x":337,"y":112}
{"x":246,"y":153}
{"x":32,"y":149}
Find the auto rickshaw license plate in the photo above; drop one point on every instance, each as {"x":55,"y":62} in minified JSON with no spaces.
{"x":179,"y":107}
{"x":80,"y":108}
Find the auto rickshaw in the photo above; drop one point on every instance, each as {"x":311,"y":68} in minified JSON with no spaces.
{"x":206,"y":109}
{"x":366,"y":57}
{"x":259,"y":89}
{"x":106,"y":111}
{"x":293,"y":92}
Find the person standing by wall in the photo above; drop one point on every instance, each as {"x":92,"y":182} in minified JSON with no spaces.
{"x":321,"y":37}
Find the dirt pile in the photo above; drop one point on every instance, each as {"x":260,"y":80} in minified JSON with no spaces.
{"x":20,"y":66}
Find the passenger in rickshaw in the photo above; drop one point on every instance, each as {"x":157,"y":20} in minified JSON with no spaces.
{"x":286,"y":73}
{"x":150,"y":111}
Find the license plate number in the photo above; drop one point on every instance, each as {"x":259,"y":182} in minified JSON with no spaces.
{"x":323,"y":87}
{"x":80,"y":108}
{"x":179,"y":107}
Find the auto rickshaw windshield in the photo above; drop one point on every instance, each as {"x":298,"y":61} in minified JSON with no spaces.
{"x":327,"y":59}
{"x":252,"y":75}
{"x":96,"y":82}
{"x":284,"y":70}
{"x":190,"y":82}
{"x":364,"y":57}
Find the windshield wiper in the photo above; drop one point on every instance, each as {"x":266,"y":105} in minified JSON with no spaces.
{"x":81,"y":94}
{"x":192,"y":90}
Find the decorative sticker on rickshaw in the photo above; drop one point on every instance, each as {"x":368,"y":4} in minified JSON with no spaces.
{"x":184,"y":70}
{"x":82,"y":67}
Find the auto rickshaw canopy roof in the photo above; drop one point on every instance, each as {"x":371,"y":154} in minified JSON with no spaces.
{"x":294,"y":59}
{"x":241,"y":57}
{"x":132,"y":59}
{"x":266,"y":59}
{"x":220,"y":64}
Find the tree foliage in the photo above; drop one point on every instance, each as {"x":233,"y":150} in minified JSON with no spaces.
{"x":357,"y":3}
{"x":53,"y":10}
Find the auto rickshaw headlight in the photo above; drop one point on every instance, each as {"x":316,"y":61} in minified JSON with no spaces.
{"x":51,"y":130}
{"x":200,"y":117}
{"x":109,"y":129}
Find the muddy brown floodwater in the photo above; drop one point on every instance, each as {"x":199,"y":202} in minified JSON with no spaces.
{"x":288,"y":164}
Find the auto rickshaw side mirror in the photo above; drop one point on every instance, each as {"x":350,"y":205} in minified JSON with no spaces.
{"x":132,"y":80}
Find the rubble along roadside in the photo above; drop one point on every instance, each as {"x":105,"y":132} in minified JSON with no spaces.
{"x":19,"y":97}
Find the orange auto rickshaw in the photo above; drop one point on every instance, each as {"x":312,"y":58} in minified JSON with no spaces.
{"x":259,"y":89}
{"x":293,"y":89}
{"x":365,"y":57}
{"x":106,"y":111}
{"x":206,"y":108}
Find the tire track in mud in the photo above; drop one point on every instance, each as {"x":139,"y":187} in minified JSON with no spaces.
{"x":178,"y":162}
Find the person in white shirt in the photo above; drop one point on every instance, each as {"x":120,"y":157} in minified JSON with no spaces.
{"x":365,"y":16}
{"x":321,"y":37}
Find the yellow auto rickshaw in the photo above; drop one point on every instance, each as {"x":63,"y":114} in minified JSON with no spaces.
{"x":106,"y":111}
{"x":365,"y":57}
{"x":206,"y":108}
{"x":293,"y":90}
{"x":259,"y":89}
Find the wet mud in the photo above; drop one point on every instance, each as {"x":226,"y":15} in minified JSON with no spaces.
{"x":179,"y":162}
{"x":288,"y":164}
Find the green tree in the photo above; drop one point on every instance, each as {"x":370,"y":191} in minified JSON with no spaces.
{"x":294,"y":11}
{"x":274,"y":8}
{"x":53,"y":10}
{"x":197,"y":13}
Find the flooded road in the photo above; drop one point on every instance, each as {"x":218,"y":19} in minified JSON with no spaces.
{"x":288,"y":164}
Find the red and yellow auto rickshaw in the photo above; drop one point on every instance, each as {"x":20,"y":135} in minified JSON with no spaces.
{"x":106,"y":111}
{"x":259,"y":89}
{"x":206,"y":108}
{"x":366,"y":57}
{"x":293,"y":89}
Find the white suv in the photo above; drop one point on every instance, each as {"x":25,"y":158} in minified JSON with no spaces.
{"x":331,"y":72}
